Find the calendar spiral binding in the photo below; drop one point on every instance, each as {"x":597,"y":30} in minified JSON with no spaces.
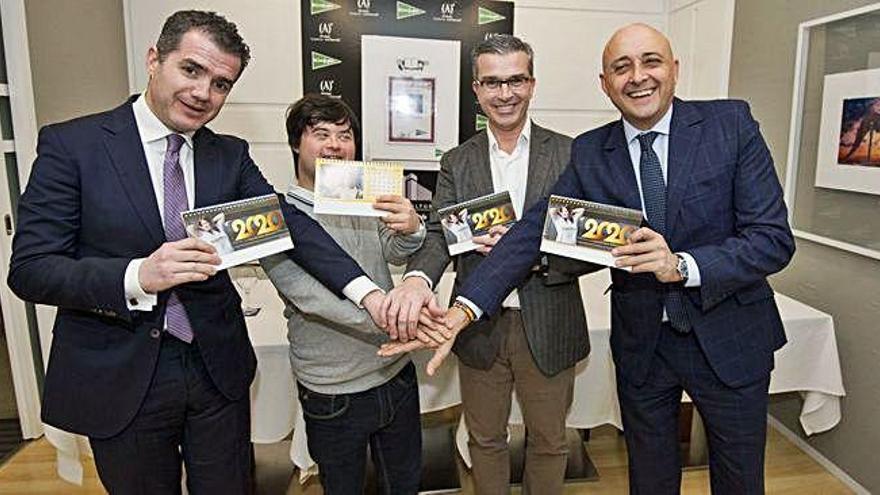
{"x":502,"y":197}
{"x":597,"y":209}
{"x":227,"y":207}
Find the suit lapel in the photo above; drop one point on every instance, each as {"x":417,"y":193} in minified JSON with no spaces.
{"x":479,"y":171}
{"x":536,"y":181}
{"x":206,"y":167}
{"x":126,"y":151}
{"x":684,"y":134}
{"x":622,"y":176}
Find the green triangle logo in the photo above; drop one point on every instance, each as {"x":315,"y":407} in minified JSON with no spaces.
{"x":321,"y":6}
{"x":321,"y":61}
{"x":485,"y":16}
{"x":482,"y":122}
{"x":438,"y":152}
{"x":405,"y":10}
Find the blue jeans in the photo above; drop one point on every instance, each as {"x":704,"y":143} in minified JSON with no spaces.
{"x":386,"y":418}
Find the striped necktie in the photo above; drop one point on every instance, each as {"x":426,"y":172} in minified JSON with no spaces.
{"x":175,"y":202}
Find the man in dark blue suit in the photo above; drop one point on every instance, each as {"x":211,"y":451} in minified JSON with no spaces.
{"x":696,"y":313}
{"x":150,"y":356}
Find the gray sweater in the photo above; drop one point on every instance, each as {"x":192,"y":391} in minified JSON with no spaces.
{"x":333,"y":343}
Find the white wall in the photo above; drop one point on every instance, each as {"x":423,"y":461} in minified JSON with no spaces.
{"x":701,"y":32}
{"x":567,"y":35}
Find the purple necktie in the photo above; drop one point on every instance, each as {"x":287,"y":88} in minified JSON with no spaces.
{"x":175,"y":202}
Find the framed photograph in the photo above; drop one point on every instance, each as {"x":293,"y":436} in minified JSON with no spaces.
{"x":411,"y":109}
{"x":832,"y":179}
{"x":849,"y":134}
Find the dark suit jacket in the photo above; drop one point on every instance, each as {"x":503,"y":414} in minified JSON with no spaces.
{"x":724,"y":207}
{"x":551,"y":305}
{"x":88,"y":210}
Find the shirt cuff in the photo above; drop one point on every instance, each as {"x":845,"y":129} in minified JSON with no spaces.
{"x":422,"y":275}
{"x":421,"y":231}
{"x":478,"y":313}
{"x":357,"y":289}
{"x":136,"y":299}
{"x":693,"y":270}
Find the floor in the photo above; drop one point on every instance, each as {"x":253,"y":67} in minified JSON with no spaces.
{"x":788,"y":471}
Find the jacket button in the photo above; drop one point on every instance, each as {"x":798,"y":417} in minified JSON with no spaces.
{"x":155,"y":333}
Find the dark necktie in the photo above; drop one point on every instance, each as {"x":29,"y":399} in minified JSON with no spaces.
{"x":175,"y":202}
{"x":654,"y":192}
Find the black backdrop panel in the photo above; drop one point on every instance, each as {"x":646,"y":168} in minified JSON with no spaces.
{"x":332,"y":30}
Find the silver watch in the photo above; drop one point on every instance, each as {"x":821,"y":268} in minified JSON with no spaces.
{"x":682,"y":267}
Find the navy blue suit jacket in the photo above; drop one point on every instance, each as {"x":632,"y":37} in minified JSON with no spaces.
{"x":724,"y":207}
{"x":88,"y":210}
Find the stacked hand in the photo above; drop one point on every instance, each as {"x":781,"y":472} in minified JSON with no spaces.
{"x":415,"y":321}
{"x":433,"y":333}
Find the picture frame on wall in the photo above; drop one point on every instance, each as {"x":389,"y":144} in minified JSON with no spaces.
{"x":832,"y":179}
{"x":848,"y":157}
{"x":411,"y":109}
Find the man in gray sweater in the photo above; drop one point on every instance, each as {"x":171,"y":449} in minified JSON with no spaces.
{"x":351,"y":397}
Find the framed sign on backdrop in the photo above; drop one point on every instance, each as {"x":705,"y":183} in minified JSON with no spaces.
{"x":832,"y":183}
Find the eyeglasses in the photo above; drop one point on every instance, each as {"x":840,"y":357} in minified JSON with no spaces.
{"x":514,"y":83}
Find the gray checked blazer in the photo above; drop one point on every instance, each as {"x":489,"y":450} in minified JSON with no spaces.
{"x":552,"y":311}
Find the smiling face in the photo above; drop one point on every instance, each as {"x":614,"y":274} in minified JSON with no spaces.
{"x":188,"y":88}
{"x":639,"y":74}
{"x":323,"y":140}
{"x":506,"y":108}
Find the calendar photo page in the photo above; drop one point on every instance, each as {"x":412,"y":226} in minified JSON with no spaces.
{"x":347,"y":187}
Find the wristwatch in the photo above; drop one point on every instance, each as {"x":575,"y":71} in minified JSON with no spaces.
{"x":682,"y":267}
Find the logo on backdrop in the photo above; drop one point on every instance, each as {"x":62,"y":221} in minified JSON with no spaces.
{"x":405,"y":11}
{"x":449,"y":12}
{"x":321,"y":61}
{"x":321,"y":6}
{"x":411,"y":64}
{"x":328,"y":87}
{"x":325,"y":33}
{"x":364,"y":9}
{"x":486,"y":16}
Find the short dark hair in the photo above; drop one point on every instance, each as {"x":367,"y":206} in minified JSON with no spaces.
{"x":502,"y":44}
{"x":222,"y":32}
{"x":312,"y":109}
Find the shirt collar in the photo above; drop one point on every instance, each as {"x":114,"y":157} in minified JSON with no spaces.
{"x":661,"y":127}
{"x":524,"y":136}
{"x":152,"y":129}
{"x":302,"y":194}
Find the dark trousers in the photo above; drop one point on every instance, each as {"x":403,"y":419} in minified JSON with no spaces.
{"x":735,"y":421}
{"x":184,"y":417}
{"x":340,"y":427}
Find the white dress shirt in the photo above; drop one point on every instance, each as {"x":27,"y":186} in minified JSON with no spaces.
{"x":153,"y":135}
{"x":510,"y":172}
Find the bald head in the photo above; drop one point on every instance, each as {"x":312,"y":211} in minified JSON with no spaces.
{"x":636,"y":33}
{"x":639,"y":73}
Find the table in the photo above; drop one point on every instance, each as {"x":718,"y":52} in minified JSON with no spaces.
{"x":808,"y":364}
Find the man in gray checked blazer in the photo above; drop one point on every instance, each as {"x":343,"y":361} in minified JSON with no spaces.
{"x":531,"y":346}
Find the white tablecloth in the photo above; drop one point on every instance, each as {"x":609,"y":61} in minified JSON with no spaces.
{"x":809,"y":364}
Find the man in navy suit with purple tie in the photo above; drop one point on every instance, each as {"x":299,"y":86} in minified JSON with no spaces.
{"x":150,"y":353}
{"x":696,"y":313}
